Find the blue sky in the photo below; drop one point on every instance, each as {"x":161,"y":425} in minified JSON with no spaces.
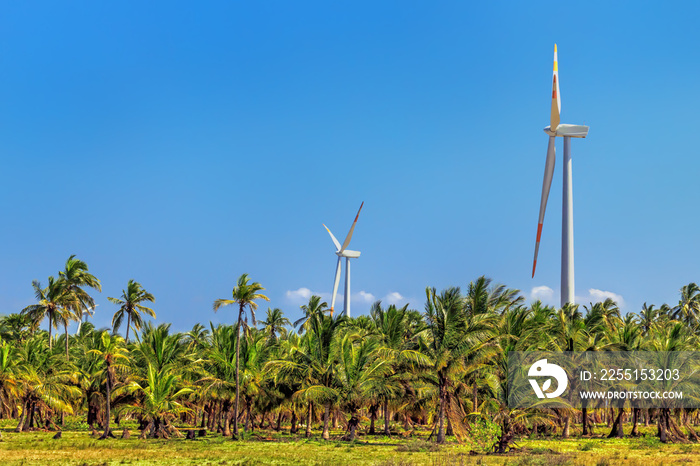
{"x":184,"y":144}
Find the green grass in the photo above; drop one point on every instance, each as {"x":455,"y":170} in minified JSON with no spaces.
{"x":272,"y":448}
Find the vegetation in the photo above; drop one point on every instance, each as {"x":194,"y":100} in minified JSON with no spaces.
{"x":437,"y":378}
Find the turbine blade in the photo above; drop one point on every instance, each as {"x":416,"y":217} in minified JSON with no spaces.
{"x":335,"y":284}
{"x":556,"y":98}
{"x":335,"y":241}
{"x":546,"y":184}
{"x":346,"y":243}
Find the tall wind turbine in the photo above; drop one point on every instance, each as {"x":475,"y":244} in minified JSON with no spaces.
{"x":342,"y":251}
{"x":567,"y":225}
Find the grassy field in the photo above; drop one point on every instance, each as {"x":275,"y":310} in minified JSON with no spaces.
{"x":267,"y":448}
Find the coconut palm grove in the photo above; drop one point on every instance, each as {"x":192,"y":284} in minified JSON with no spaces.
{"x":435,"y":373}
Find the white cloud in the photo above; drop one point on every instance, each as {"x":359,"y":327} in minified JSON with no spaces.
{"x":542,"y":293}
{"x":601,"y":295}
{"x":302,"y":295}
{"x":394,"y":298}
{"x":364,"y":297}
{"x":299,"y":296}
{"x":548,"y":296}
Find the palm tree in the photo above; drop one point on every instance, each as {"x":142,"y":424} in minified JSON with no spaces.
{"x":485,"y":299}
{"x":244,"y":294}
{"x":399,"y":341}
{"x":482,"y":297}
{"x":161,"y":395}
{"x":197,"y":338}
{"x":313,"y":307}
{"x":670,"y":344}
{"x":220,"y":370}
{"x":606,"y":313}
{"x":51,"y":303}
{"x":255,"y":351}
{"x":10,"y":374}
{"x":48,"y":382}
{"x":360,"y":374}
{"x":75,"y":276}
{"x":311,"y":363}
{"x":275,"y":323}
{"x":90,"y":370}
{"x":518,"y":329}
{"x":648,"y":317}
{"x":130,"y":305}
{"x":569,"y":331}
{"x":158,"y":347}
{"x":454,"y":337}
{"x":112,"y":352}
{"x":688,"y":308}
{"x":15,"y":327}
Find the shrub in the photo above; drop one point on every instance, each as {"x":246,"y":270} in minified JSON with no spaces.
{"x":587,"y":446}
{"x":483,"y":435}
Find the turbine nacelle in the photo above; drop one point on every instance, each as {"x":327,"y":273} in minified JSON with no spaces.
{"x":348,"y":253}
{"x":573,"y":131}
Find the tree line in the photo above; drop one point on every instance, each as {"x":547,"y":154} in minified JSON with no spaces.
{"x":395,"y":370}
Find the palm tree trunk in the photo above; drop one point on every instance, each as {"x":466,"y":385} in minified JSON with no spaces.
{"x":128,"y":324}
{"x":661,"y":426}
{"x":441,"y":413}
{"x":32,"y":412}
{"x":279,"y":421}
{"x":227,"y":418}
{"x":109,"y":405}
{"x":325,"y":435}
{"x":204,"y":417}
{"x":238,"y":352}
{"x":211,"y":420}
{"x":293,"y":429}
{"x":373,"y":417}
{"x":308,"y":420}
{"x":566,"y":430}
{"x":352,"y":424}
{"x":386,"y":418}
{"x":22,"y":417}
{"x":248,"y":421}
{"x":50,"y":339}
{"x":635,"y":421}
{"x":616,"y":430}
{"x":65,"y":325}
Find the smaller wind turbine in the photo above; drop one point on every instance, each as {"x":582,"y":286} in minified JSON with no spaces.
{"x":342,"y":251}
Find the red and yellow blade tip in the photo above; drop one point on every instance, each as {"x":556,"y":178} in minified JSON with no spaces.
{"x":537,"y":245}
{"x":358,"y":212}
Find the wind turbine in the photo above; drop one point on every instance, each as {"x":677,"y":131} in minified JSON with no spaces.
{"x":342,"y":251}
{"x":567,"y":225}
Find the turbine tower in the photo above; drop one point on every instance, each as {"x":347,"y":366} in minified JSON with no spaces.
{"x":343,"y":252}
{"x":567,"y":225}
